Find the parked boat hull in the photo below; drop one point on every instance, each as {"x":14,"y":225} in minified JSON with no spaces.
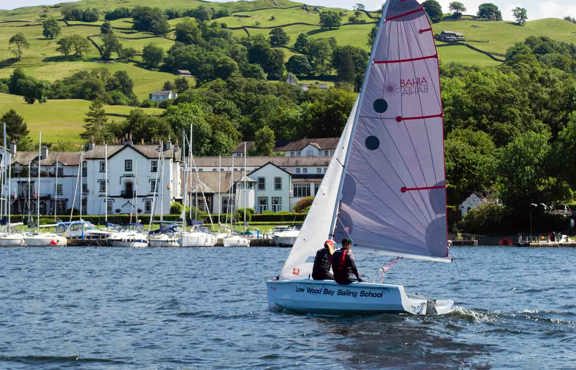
{"x":236,"y":241}
{"x":163,"y":241}
{"x":329,"y":297}
{"x":45,"y":240}
{"x":11,"y":240}
{"x":197,"y":239}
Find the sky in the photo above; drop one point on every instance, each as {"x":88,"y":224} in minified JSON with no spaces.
{"x":536,"y":8}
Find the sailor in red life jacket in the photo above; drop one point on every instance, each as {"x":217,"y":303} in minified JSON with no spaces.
{"x":344,"y":265}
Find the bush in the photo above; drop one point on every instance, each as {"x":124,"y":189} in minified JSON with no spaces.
{"x":239,"y":214}
{"x":303,"y":205}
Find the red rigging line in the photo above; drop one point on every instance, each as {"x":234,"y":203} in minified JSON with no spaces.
{"x":434,"y":56}
{"x":413,"y":11}
{"x":404,"y":189}
{"x":400,"y":118}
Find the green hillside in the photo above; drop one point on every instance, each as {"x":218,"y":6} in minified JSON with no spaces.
{"x":42,"y":61}
{"x":60,"y":120}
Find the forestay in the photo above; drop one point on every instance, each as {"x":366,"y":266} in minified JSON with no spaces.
{"x":393,"y":196}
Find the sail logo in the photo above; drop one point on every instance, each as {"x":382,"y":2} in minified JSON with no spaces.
{"x":413,"y":86}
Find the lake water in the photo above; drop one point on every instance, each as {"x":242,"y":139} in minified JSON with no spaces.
{"x":103,"y":308}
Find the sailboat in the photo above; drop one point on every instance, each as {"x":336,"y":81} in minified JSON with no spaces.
{"x":8,"y":238}
{"x":385,"y":186}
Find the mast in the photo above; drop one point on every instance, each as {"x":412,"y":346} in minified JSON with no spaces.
{"x":105,"y":183}
{"x":55,"y":189}
{"x":185,"y":187}
{"x":244,"y":187}
{"x":38,"y":190}
{"x":219,"y":187}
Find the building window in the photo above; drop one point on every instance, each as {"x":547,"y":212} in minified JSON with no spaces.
{"x":102,"y":166}
{"x":276,"y":204}
{"x":304,"y":170}
{"x":262,"y":204}
{"x":153,"y":185}
{"x":147,"y":205}
{"x":60,"y":171}
{"x":326,"y":153}
{"x":109,"y":206}
{"x":84,"y":169}
{"x":59,"y":189}
{"x":261,"y":183}
{"x":301,"y":190}
{"x":316,"y":187}
{"x":84,"y":203}
{"x":128,"y":165}
{"x":297,"y":169}
{"x":277,"y":183}
{"x":102,"y":186}
{"x":318,"y":169}
{"x":154,"y":165}
{"x":84,"y":188}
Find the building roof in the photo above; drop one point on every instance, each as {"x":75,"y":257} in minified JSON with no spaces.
{"x":65,"y":158}
{"x":260,"y":161}
{"x":148,"y":151}
{"x":323,"y":143}
{"x":207,"y":182}
{"x":162,"y":93}
{"x":240,"y":147}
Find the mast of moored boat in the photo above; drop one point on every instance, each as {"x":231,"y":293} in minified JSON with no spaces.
{"x":38,"y":188}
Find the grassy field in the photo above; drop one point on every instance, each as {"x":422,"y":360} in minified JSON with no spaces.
{"x":59,"y":120}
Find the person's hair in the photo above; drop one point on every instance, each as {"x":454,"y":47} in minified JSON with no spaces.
{"x":346,"y":242}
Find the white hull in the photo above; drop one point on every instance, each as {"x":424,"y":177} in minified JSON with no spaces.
{"x":163,"y":240}
{"x":11,"y":240}
{"x":44,"y":240}
{"x":197,"y":239}
{"x":329,"y":297}
{"x":285,"y":240}
{"x":128,"y":239}
{"x":236,"y":241}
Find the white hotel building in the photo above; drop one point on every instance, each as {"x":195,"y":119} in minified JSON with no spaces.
{"x":137,"y":178}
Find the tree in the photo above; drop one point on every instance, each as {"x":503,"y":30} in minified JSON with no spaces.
{"x":433,"y":9}
{"x":181,"y":84}
{"x":152,"y":55}
{"x":187,"y":32}
{"x":320,"y":55}
{"x":350,"y":63}
{"x":490,"y":12}
{"x":264,"y":141}
{"x":16,"y":129}
{"x":96,"y":128}
{"x":106,"y":28}
{"x":50,"y":28}
{"x":302,"y":44}
{"x":127,"y":53}
{"x":521,"y":15}
{"x":150,"y":19}
{"x":278,"y":37}
{"x":299,"y":65}
{"x":75,"y":45}
{"x":329,"y":19}
{"x":328,"y":112}
{"x":111,"y":45}
{"x":523,"y":173}
{"x":458,"y":8}
{"x":17,"y":44}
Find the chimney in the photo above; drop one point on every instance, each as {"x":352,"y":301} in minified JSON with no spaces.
{"x":44,"y":152}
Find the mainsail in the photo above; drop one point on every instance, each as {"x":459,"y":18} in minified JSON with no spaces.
{"x":386,"y":180}
{"x":393,"y":196}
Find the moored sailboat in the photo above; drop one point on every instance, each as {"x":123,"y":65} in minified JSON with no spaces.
{"x":385,"y":186}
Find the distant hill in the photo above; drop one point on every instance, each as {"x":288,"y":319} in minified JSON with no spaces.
{"x":486,"y":41}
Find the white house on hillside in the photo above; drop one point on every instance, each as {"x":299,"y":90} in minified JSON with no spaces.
{"x":470,"y":203}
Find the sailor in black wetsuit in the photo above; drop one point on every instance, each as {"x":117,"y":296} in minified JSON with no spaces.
{"x":323,"y":262}
{"x":344,"y":265}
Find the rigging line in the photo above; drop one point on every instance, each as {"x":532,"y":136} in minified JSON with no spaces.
{"x":421,"y":111}
{"x":396,"y":193}
{"x":424,"y":202}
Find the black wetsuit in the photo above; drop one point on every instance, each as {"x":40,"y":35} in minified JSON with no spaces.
{"x":322,"y":263}
{"x":344,"y":267}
